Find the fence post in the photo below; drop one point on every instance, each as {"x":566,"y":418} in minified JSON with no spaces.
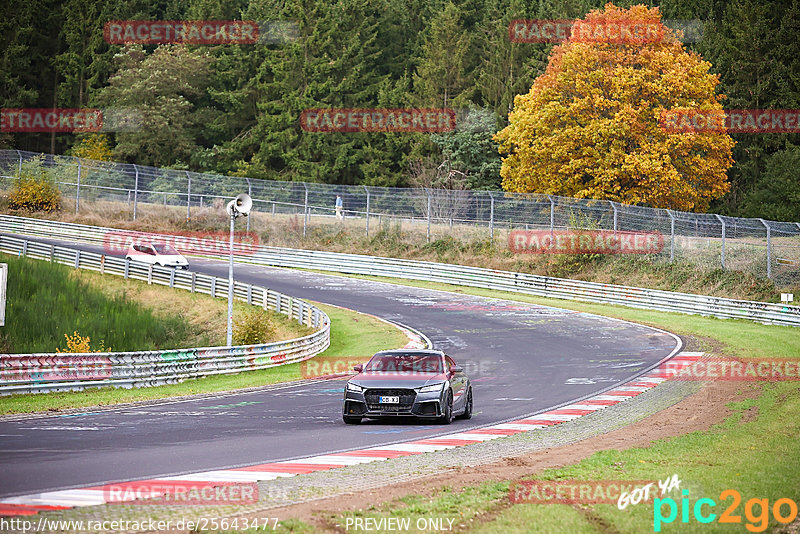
{"x":78,"y":189}
{"x":552,"y":215}
{"x":429,"y":214}
{"x":250,"y":193}
{"x":188,"y":196}
{"x":491,"y":217}
{"x":305,"y":209}
{"x":723,"y":240}
{"x":135,"y":189}
{"x":614,"y":207}
{"x":367,"y":190}
{"x":769,"y":248}
{"x":19,"y":167}
{"x":671,"y":236}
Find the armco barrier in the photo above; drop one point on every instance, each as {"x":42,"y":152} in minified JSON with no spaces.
{"x":759,"y":246}
{"x":35,"y":373}
{"x":652,"y":299}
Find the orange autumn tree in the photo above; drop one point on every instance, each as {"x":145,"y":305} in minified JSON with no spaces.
{"x":589,"y":127}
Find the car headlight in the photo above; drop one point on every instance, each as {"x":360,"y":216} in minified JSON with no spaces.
{"x":354,"y":388}
{"x":432,"y":388}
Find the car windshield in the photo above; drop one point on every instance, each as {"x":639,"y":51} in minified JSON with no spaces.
{"x":415,"y":363}
{"x":165,"y":249}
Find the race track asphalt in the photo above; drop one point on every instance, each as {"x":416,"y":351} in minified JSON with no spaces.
{"x":522,"y":358}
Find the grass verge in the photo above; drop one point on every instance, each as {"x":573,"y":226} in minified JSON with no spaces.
{"x":47,"y":300}
{"x":754,"y":451}
{"x":352,"y":335}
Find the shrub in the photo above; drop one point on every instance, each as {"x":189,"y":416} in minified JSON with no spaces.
{"x":252,"y":328}
{"x":567,"y":265}
{"x":93,"y":146}
{"x":77,"y":343}
{"x":35,"y":189}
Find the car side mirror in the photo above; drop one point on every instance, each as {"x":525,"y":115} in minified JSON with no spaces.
{"x":458,"y":369}
{"x":358,"y":368}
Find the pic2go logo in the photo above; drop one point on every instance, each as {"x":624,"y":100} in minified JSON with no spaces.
{"x":702,"y":511}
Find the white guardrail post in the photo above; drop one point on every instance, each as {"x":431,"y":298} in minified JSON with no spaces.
{"x":671,"y":236}
{"x":188,"y":196}
{"x":491,"y":217}
{"x":135,"y":190}
{"x":78,"y":189}
{"x":367,"y":223}
{"x":38,"y":373}
{"x":428,"y":194}
{"x":769,"y":248}
{"x":722,"y":255}
{"x":305,"y":209}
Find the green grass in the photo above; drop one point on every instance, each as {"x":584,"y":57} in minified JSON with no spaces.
{"x":755,"y":456}
{"x":352,"y":334}
{"x":44,"y":302}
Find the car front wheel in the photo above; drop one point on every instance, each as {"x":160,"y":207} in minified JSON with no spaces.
{"x":447,"y":411}
{"x":468,"y":406}
{"x":350,"y":420}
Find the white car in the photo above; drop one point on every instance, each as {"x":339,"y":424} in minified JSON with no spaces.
{"x":157,"y":254}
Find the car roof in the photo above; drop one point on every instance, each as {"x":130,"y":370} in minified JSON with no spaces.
{"x":420,"y":352}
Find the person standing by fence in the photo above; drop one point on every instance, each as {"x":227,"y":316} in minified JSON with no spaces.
{"x":339,"y":214}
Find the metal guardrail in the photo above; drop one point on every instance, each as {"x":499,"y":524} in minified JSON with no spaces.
{"x":710,"y":240}
{"x":36,"y":373}
{"x":652,"y":299}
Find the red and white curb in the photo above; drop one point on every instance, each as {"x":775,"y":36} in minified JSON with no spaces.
{"x":95,"y":495}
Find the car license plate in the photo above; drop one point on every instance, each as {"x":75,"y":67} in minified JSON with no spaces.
{"x":389,"y":400}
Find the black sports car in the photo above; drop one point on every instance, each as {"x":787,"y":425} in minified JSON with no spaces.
{"x":421,"y":383}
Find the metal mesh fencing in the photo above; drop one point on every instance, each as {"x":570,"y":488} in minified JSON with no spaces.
{"x":764,"y":248}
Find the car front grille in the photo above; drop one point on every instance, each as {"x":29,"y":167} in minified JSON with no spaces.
{"x":407,"y":397}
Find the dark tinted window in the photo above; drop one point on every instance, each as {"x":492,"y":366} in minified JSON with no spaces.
{"x":412,"y":363}
{"x":165,"y":249}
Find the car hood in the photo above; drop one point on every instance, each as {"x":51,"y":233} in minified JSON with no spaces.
{"x":395,"y":379}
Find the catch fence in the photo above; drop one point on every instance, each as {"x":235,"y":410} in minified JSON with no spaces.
{"x":758,"y":246}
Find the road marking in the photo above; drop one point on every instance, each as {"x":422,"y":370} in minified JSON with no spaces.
{"x":21,"y":505}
